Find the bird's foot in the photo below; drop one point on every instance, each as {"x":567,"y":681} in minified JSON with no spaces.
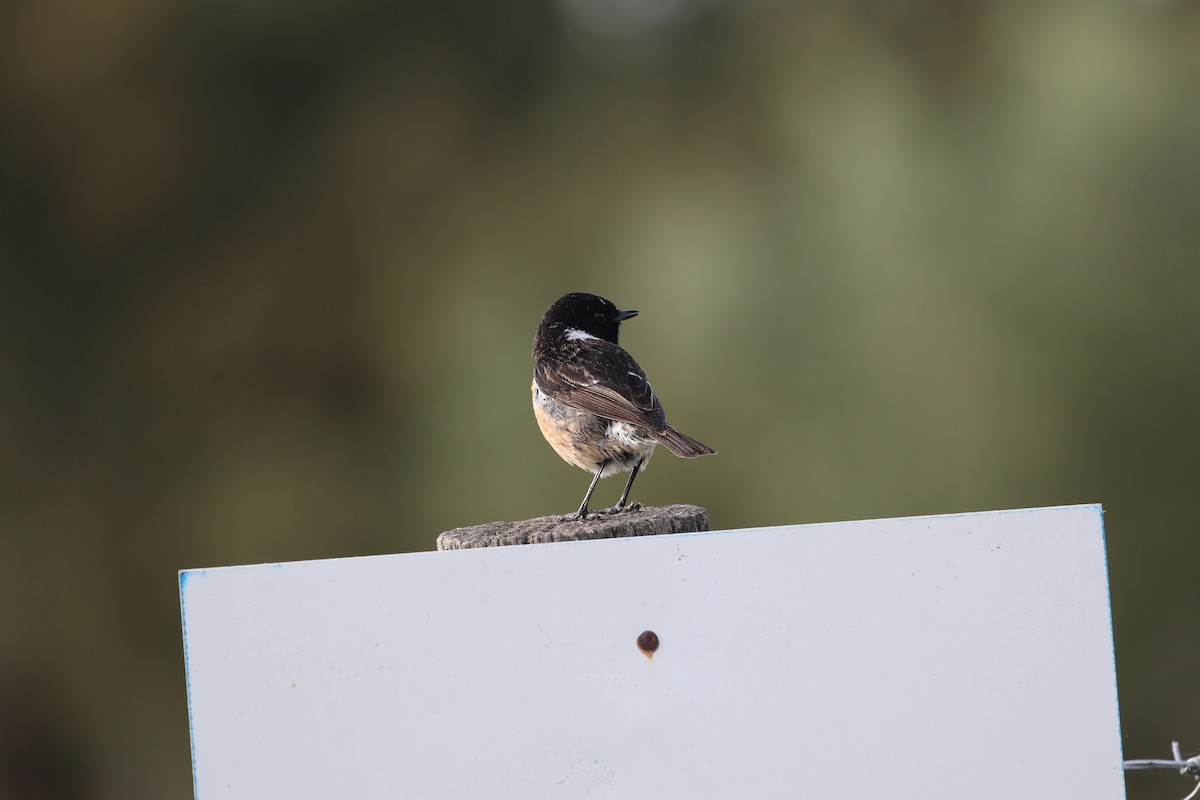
{"x":581,"y":514}
{"x":620,"y":509}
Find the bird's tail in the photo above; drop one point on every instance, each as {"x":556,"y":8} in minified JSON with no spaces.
{"x":680,"y":445}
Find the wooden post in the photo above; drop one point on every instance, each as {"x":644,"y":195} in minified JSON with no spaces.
{"x":646,"y":521}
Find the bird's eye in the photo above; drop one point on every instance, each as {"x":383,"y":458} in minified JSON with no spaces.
{"x":599,"y":315}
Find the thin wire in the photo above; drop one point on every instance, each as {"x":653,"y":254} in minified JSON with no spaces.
{"x":1189,"y":767}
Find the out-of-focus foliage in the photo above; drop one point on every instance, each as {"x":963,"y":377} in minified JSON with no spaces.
{"x":269,"y":274}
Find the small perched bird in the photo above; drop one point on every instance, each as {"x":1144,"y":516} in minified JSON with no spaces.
{"x":592,"y":400}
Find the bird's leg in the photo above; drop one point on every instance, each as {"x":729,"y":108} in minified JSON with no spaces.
{"x":620,"y":506}
{"x":582,"y":513}
{"x":628,"y":485}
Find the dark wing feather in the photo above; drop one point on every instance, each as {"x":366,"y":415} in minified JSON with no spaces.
{"x":598,"y":376}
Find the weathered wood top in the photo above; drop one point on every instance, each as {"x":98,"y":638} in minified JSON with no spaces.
{"x":646,"y":521}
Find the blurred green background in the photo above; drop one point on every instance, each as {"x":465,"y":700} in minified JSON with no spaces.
{"x":270,"y":272}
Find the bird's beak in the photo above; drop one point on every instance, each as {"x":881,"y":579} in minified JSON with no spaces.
{"x":624,"y":315}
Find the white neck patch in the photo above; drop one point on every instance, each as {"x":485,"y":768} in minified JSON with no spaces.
{"x":574,"y":335}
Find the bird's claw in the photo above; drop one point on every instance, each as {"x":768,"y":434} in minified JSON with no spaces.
{"x":585,"y":514}
{"x":621,"y":509}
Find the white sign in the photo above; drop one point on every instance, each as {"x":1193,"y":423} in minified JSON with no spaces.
{"x":961,"y":656}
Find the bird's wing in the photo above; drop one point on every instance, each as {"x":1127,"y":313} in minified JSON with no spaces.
{"x":598,"y":376}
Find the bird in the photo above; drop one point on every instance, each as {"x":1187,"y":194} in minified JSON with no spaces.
{"x":592,"y":401}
